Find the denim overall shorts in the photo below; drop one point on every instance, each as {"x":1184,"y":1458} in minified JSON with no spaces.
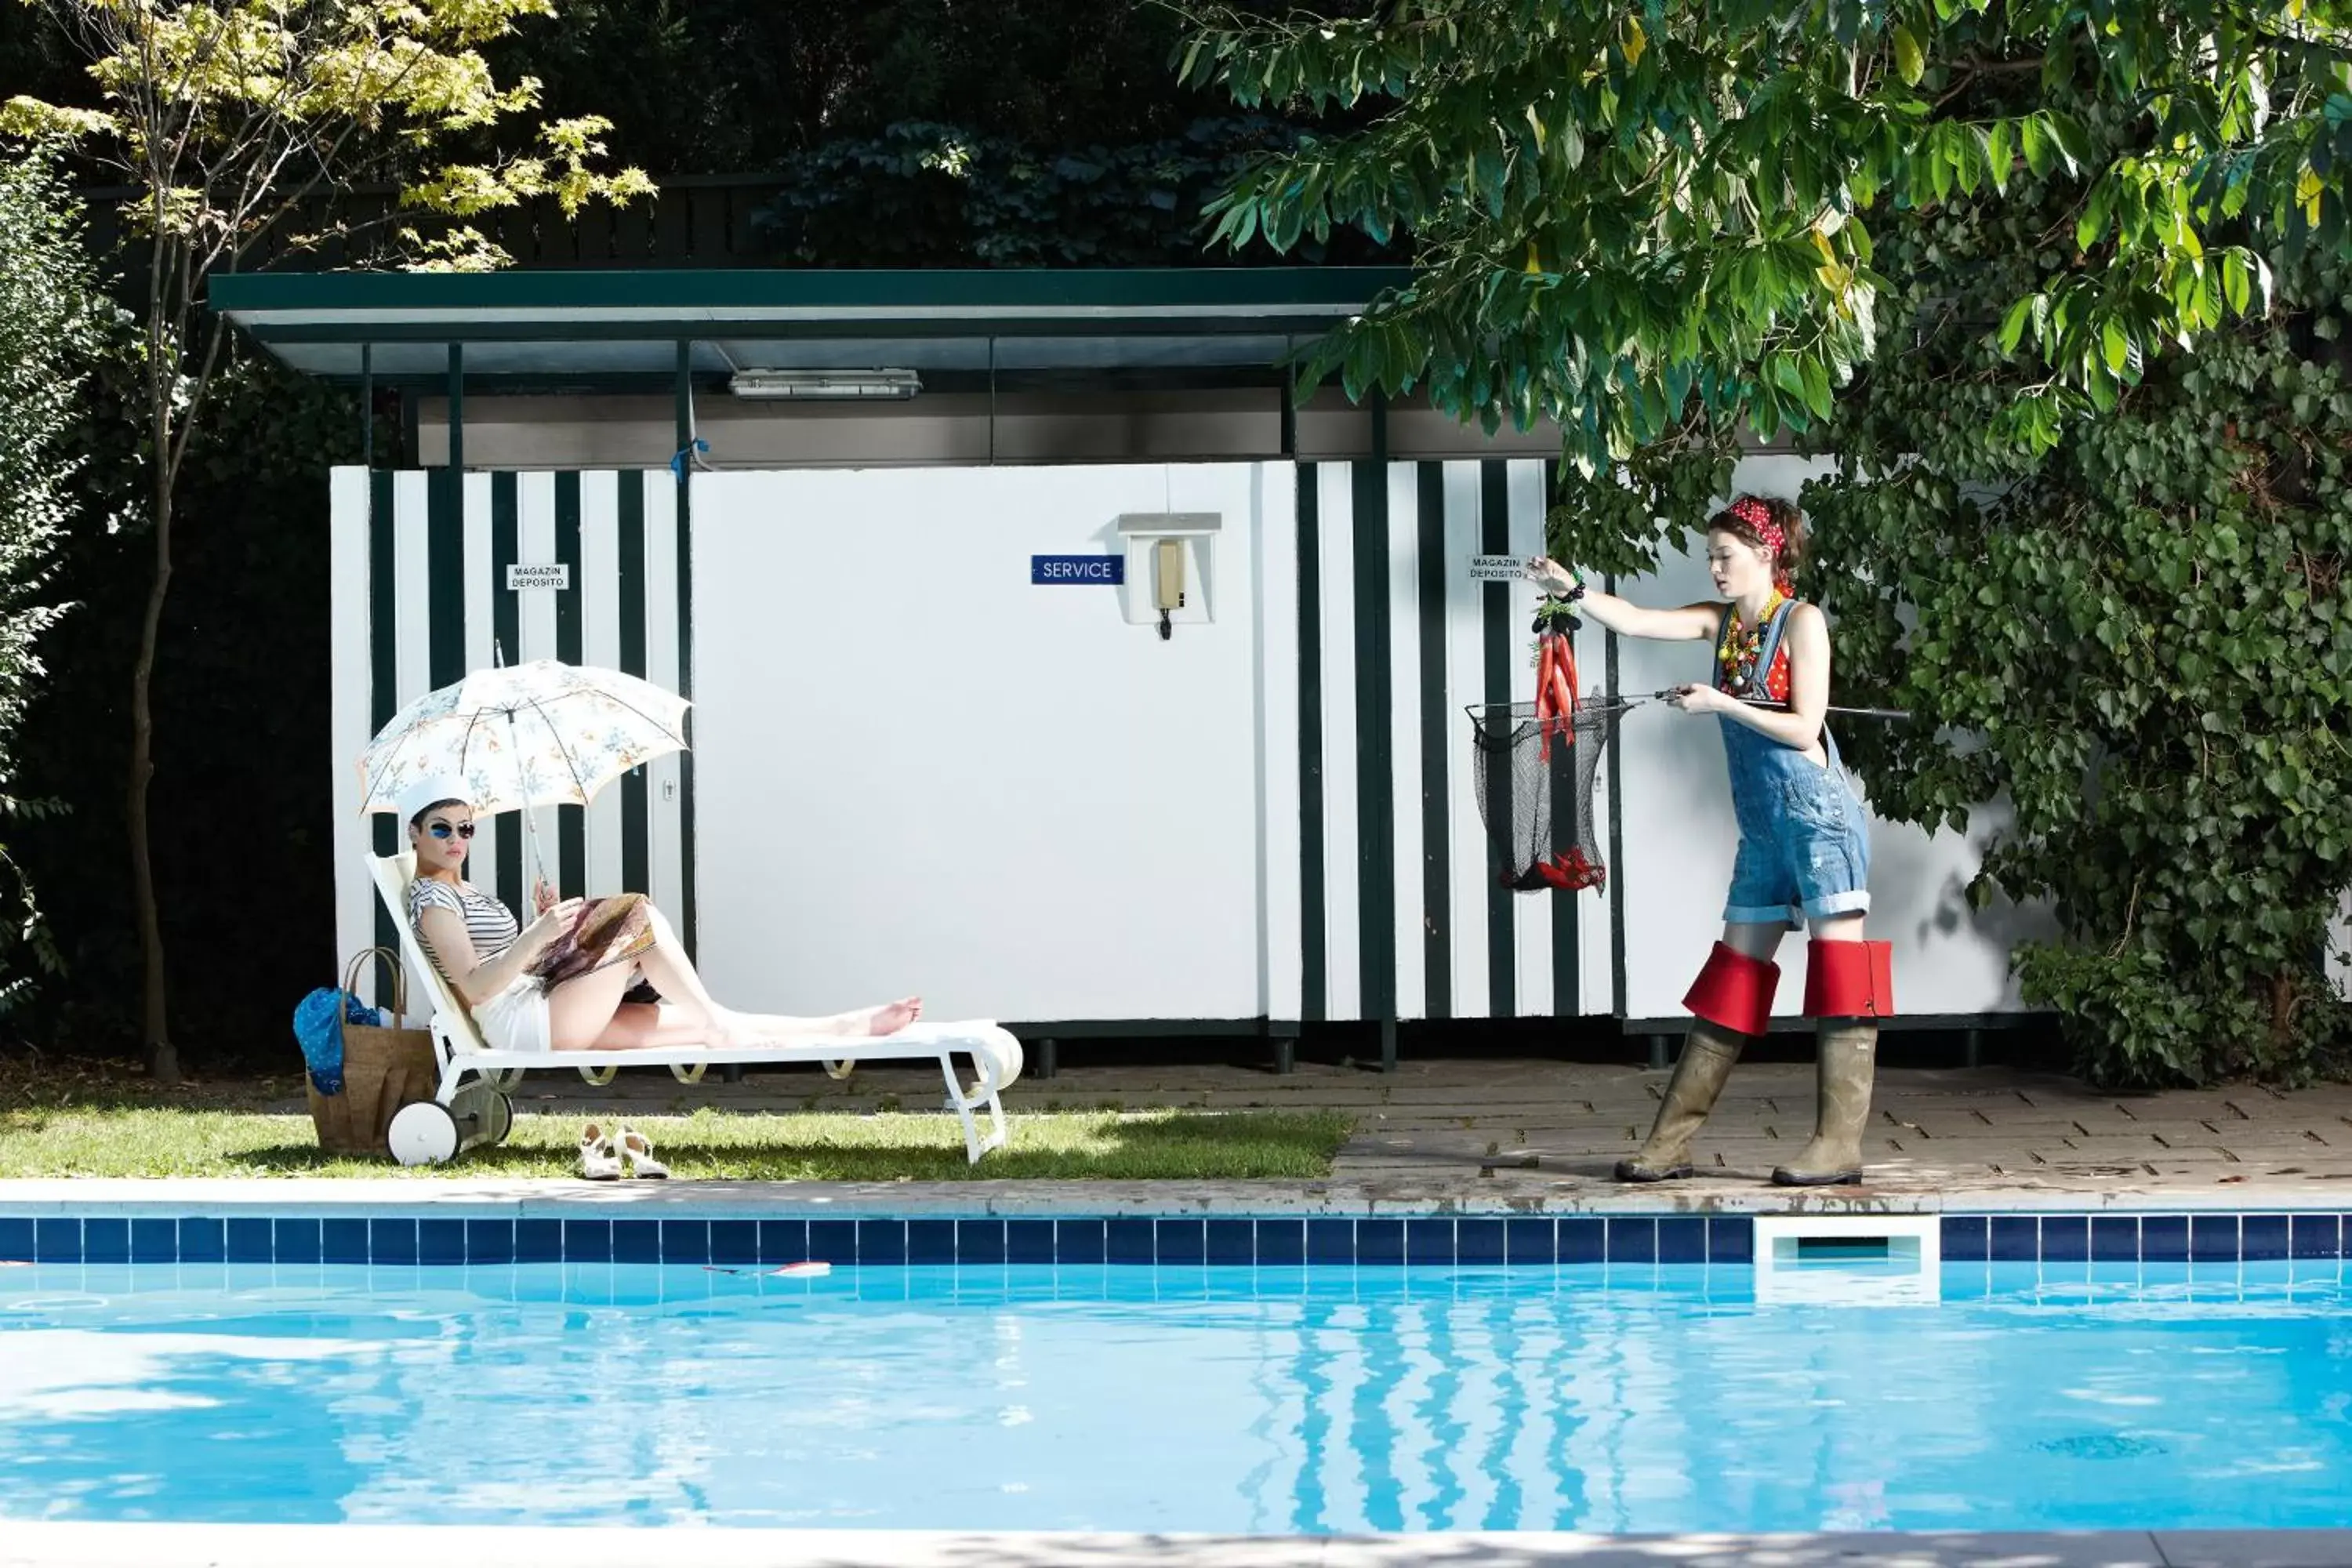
{"x":1804,"y":844}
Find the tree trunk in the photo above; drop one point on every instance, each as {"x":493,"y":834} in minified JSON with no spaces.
{"x":2283,"y":998}
{"x":162,"y":1059}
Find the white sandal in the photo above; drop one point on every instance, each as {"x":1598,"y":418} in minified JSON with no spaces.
{"x":639,"y":1150}
{"x":597,"y":1161}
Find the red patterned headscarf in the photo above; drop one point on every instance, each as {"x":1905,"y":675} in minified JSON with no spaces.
{"x":1759,"y":518}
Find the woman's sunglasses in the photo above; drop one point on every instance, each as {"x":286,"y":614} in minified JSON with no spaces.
{"x":443,"y":829}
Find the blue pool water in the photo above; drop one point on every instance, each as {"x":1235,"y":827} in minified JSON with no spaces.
{"x":1611,"y":1399}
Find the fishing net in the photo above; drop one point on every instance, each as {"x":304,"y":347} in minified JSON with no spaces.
{"x":1534,"y":774}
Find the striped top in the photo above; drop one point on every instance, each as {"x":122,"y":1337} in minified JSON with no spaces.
{"x":489,"y":924}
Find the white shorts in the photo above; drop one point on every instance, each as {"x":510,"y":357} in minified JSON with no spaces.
{"x":516,"y":1019}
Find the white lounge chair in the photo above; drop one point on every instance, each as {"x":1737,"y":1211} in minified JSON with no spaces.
{"x":429,"y":1133}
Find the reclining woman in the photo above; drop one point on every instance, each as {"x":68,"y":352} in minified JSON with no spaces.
{"x":562,"y":983}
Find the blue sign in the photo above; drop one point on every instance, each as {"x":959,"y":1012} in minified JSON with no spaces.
{"x":1099,"y":569}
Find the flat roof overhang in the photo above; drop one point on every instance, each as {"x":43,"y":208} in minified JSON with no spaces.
{"x":586,"y":328}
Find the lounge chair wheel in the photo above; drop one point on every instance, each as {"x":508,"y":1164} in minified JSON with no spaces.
{"x":423,"y":1134}
{"x":689,"y":1075}
{"x":839,"y":1069}
{"x":506,"y":1080}
{"x":600,"y":1077}
{"x":500,"y":1118}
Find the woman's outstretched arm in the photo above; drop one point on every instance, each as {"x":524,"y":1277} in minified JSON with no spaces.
{"x":1686,"y":623}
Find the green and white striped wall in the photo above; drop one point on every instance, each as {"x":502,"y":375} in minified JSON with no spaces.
{"x":1384,"y":902}
{"x":421,"y":598}
{"x":1402,"y":914}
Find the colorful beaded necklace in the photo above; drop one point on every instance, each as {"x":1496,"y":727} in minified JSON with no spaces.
{"x":1742,"y":646}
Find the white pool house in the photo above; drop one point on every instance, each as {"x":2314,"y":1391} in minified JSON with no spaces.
{"x":903,"y":538}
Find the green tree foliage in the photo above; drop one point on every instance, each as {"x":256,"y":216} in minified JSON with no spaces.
{"x":741,"y":86}
{"x":227,"y":116}
{"x":241,"y":805}
{"x":738,"y":86}
{"x":926,"y":132}
{"x":1633,"y":217}
{"x":241,"y":699}
{"x":921,"y":194}
{"x":54,"y":326}
{"x":2141,"y":644}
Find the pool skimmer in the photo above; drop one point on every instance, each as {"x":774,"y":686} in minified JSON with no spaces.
{"x":1849,"y":1259}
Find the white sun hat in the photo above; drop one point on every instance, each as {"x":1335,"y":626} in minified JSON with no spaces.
{"x":432,"y":790}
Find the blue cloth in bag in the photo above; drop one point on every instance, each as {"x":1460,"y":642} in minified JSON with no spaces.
{"x":318,"y":1020}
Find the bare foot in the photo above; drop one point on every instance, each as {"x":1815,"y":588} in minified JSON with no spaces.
{"x":745,"y":1030}
{"x":889,"y":1018}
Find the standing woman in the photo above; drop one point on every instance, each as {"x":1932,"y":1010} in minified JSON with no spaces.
{"x":1804,"y":851}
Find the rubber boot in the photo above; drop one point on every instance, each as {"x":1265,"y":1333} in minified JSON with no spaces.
{"x":1848,"y":1053}
{"x":1709,"y":1051}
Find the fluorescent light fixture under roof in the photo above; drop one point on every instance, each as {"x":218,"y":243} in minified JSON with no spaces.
{"x":829,"y":384}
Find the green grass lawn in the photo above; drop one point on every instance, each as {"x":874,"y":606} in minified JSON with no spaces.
{"x":107,"y":1132}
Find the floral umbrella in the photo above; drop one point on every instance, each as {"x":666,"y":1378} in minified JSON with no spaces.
{"x":524,"y":735}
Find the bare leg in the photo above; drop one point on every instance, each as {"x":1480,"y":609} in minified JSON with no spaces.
{"x":588,"y":1015}
{"x":632,"y":1026}
{"x":579,"y":1010}
{"x":672,"y":973}
{"x":687,"y":1004}
{"x":1838,"y":927}
{"x":638,"y":1026}
{"x":887,"y":1018}
{"x":666,"y":964}
{"x":1761,"y":941}
{"x":596,"y":1019}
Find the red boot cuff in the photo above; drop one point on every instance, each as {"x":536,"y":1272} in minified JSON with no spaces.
{"x":1849,"y":980}
{"x":1734,"y":991}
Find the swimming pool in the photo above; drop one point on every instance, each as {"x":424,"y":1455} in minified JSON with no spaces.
{"x":1591,"y":1397}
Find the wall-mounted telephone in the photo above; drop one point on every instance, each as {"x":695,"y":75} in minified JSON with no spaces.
{"x":1171,"y":569}
{"x":1168,"y":580}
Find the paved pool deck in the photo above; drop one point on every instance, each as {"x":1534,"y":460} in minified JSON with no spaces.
{"x":24,"y":1544}
{"x":1473,"y":1136}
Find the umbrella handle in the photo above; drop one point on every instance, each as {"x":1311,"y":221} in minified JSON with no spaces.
{"x":529,"y":825}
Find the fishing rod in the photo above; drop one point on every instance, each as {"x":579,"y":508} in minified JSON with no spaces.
{"x":1594,"y":706}
{"x":1783,"y":708}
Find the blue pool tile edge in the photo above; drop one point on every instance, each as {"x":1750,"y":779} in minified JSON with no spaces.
{"x":1165,"y":1241}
